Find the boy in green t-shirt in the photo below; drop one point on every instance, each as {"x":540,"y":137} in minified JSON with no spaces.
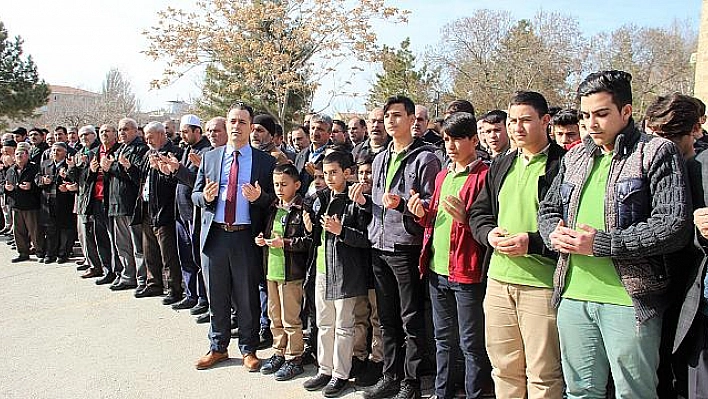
{"x":285,"y":261}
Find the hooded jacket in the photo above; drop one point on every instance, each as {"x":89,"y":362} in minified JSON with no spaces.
{"x":396,"y":229}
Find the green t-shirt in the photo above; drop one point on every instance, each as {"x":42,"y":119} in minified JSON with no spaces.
{"x":590,"y":278}
{"x":276,"y":256}
{"x":518,"y":208}
{"x":440,"y":259}
{"x":321,"y":257}
{"x":393,"y":165}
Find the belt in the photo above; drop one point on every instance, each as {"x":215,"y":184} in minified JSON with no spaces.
{"x":230,"y":228}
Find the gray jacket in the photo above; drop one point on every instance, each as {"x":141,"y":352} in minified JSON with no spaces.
{"x":396,"y":229}
{"x":647,"y":207}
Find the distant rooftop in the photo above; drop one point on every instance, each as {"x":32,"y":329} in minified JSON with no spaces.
{"x":58,"y":89}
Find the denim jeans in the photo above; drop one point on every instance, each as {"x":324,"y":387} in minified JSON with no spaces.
{"x":458,"y":318}
{"x":598,"y":338}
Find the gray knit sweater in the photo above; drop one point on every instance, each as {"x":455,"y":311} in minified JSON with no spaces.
{"x":647,"y":210}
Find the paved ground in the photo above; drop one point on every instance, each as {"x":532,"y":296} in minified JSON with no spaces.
{"x":64,"y":337}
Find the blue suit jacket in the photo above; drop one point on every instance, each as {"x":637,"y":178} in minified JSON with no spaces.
{"x":261,"y":171}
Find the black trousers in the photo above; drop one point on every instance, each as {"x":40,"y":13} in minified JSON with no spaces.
{"x":160,"y":252}
{"x":399,"y":295}
{"x":232,"y":271}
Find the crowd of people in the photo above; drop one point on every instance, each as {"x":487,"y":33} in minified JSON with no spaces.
{"x":532,"y":252}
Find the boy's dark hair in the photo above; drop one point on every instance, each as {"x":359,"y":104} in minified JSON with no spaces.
{"x":460,"y":125}
{"x":344,"y":159}
{"x":552,"y":111}
{"x":532,"y":99}
{"x":239,"y":105}
{"x":365,"y":158}
{"x":616,"y":83}
{"x":460,"y":106}
{"x":494,"y":117}
{"x":407,"y":104}
{"x":278,"y":130}
{"x":565,"y":117}
{"x":673,"y":115}
{"x":701,"y":106}
{"x":287,"y":169}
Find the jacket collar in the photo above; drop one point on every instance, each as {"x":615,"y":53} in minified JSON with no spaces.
{"x":624,"y":142}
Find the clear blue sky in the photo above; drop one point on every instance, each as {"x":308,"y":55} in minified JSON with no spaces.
{"x":76,"y":42}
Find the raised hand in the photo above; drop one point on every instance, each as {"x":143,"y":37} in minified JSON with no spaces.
{"x":275,"y":242}
{"x":331,"y":224}
{"x":211,"y":190}
{"x":456,"y":208}
{"x":356,"y":193}
{"x":194,"y":158}
{"x":415,"y":205}
{"x":106,"y":162}
{"x":124,"y":161}
{"x":390,"y":201}
{"x":260,"y":241}
{"x":251,"y":192}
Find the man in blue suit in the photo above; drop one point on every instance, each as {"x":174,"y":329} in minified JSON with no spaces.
{"x":234,"y":189}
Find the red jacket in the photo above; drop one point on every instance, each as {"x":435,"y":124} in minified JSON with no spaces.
{"x":466,"y":255}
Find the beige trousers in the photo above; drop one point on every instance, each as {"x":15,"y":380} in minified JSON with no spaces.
{"x":284,"y":304}
{"x":366,"y":315}
{"x":522,"y":341}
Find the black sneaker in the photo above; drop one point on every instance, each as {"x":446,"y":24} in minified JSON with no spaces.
{"x":202,"y":318}
{"x":335,"y":388}
{"x":272,"y":365}
{"x":370,"y":375}
{"x":317,"y":382}
{"x":290,"y":370}
{"x":385,"y":388}
{"x":266,"y":338}
{"x":358,"y":367}
{"x":409,"y":390}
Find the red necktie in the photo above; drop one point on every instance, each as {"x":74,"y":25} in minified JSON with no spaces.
{"x":230,"y":210}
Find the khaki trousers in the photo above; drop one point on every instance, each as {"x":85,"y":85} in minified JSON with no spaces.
{"x":366,"y":315}
{"x":335,"y":324}
{"x":522,"y":341}
{"x":284,"y":303}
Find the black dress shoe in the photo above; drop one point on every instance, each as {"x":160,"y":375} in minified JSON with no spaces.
{"x":203,"y":318}
{"x":61,"y":260}
{"x":149,"y":291}
{"x":39,"y":255}
{"x":50,"y":259}
{"x":20,"y":258}
{"x":82,"y":267}
{"x":123,"y":287}
{"x":171,"y":299}
{"x":266,"y":339}
{"x":107,"y":279}
{"x":186,"y":303}
{"x":200,"y":308}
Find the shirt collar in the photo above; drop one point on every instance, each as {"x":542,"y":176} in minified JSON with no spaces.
{"x":468,"y":168}
{"x":527,"y":160}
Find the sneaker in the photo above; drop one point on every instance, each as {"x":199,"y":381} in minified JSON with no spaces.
{"x":290,"y":370}
{"x":317,"y":382}
{"x":370,"y":375}
{"x":409,"y":390}
{"x":335,"y":388}
{"x":385,"y":388}
{"x":358,"y":367}
{"x":272,"y":365}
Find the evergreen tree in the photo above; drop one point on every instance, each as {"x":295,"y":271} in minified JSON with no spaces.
{"x":400,"y":77}
{"x":21,"y":90}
